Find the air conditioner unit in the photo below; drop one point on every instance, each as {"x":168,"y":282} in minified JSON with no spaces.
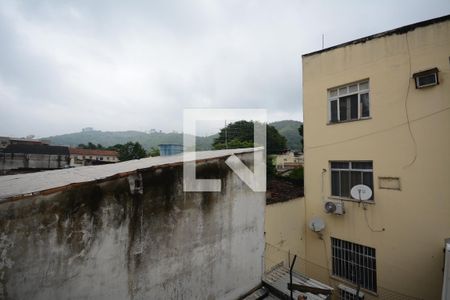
{"x":426,"y":78}
{"x":346,"y":292}
{"x":332,"y":207}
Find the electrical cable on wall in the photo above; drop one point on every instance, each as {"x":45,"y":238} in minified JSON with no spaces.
{"x":368,"y":224}
{"x":406,"y":107}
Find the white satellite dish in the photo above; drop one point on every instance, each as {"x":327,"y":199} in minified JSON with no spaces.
{"x":361,"y":192}
{"x":316,"y":224}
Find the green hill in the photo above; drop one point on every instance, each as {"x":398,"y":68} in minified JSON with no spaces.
{"x":111,"y":138}
{"x":289,"y":129}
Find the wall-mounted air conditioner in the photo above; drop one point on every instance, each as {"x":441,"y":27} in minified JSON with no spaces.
{"x":334,"y":207}
{"x":426,"y":78}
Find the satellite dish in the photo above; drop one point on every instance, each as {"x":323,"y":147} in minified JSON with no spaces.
{"x":361,"y":192}
{"x":316,"y":224}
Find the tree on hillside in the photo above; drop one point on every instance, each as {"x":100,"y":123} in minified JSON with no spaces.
{"x":240,"y":135}
{"x":300,"y":131}
{"x":130,"y":151}
{"x":154,"y":152}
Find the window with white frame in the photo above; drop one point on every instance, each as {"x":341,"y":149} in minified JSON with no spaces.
{"x":355,"y":263}
{"x":349,"y":102}
{"x":347,"y":174}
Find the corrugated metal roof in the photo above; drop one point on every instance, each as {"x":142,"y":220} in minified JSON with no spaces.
{"x":21,"y":185}
{"x":278,"y":279}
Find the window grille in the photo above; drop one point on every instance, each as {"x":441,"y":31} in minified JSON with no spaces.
{"x":355,"y":263}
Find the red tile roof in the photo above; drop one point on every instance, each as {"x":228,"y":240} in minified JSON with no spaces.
{"x":79,"y":151}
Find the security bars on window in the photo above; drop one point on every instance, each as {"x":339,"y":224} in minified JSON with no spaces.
{"x":355,"y":263}
{"x":350,"y":102}
{"x":347,"y":174}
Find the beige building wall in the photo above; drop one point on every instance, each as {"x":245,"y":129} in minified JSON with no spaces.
{"x":284,"y":231}
{"x":417,"y":218}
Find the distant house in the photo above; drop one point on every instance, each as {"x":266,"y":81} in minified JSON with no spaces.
{"x":5,"y":141}
{"x":288,"y":160}
{"x":32,"y":157}
{"x":86,"y":157}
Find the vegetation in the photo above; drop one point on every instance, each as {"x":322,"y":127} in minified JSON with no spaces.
{"x":153,"y":152}
{"x":271,"y":170}
{"x":108,"y":139}
{"x":300,"y":132}
{"x":289,"y":129}
{"x":111,"y":138}
{"x":130,"y":151}
{"x":240,"y":135}
{"x":296,"y":175}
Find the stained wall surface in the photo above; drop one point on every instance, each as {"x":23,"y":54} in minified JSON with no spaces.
{"x":100,"y":241}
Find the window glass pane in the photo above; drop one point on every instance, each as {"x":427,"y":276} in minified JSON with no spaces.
{"x":345,"y":184}
{"x":368,"y":180}
{"x":353,"y":88}
{"x":333,"y":93}
{"x":354,"y":107}
{"x":339,"y":164}
{"x":335,"y":183}
{"x":355,"y":178}
{"x":343,"y":106}
{"x":361,"y":165}
{"x":333,"y":111}
{"x":364,"y":85}
{"x":427,"y":79}
{"x":365,"y":105}
{"x":343,"y":91}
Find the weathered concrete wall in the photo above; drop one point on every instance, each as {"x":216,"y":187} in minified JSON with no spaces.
{"x":13,"y":161}
{"x":98,"y":241}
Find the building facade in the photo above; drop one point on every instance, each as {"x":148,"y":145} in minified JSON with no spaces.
{"x":86,"y":157}
{"x":377,"y":112}
{"x":32,"y":157}
{"x":288,"y":160}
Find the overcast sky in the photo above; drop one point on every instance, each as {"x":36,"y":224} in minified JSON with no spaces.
{"x":120,"y":65}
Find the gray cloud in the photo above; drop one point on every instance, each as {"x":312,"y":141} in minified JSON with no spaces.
{"x":116,"y":65}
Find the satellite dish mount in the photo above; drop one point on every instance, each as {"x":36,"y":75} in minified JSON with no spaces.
{"x":361,"y":192}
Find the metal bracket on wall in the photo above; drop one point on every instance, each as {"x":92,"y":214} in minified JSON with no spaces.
{"x":136,"y":184}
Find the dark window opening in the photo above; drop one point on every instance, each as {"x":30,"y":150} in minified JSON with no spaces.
{"x":355,"y":263}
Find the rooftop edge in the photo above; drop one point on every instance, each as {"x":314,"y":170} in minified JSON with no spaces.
{"x":399,"y":30}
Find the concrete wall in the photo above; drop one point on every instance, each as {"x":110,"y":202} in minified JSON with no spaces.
{"x":417,"y":218}
{"x":16,"y":161}
{"x":98,"y":241}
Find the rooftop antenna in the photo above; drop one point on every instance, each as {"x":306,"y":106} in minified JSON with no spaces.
{"x":323,"y":40}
